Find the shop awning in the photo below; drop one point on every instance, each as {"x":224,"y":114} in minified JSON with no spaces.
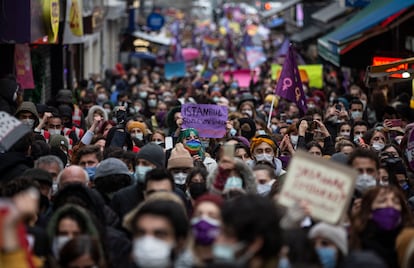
{"x":378,"y":12}
{"x":158,"y":39}
{"x":329,"y":12}
{"x":315,"y":30}
{"x":285,"y":5}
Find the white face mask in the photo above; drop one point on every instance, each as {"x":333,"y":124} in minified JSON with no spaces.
{"x":264,"y":189}
{"x":233,"y":183}
{"x":53,"y":131}
{"x":101,"y":97}
{"x":58,"y":243}
{"x":108,"y":111}
{"x":232,"y":109}
{"x":365,"y":182}
{"x":140,"y":172}
{"x":143,"y":94}
{"x":356,"y":115}
{"x":294,"y":139}
{"x":378,"y":146}
{"x":152,"y":103}
{"x":139,"y":136}
{"x":149,"y":251}
{"x":180,"y":178}
{"x":248,"y":112}
{"x":264,"y":157}
{"x":344,"y":134}
{"x":28,"y":121}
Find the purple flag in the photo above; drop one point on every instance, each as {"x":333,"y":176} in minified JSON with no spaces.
{"x":289,"y":86}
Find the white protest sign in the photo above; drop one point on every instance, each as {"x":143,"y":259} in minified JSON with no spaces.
{"x":325,"y":185}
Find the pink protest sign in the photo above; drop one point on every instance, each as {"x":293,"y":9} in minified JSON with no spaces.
{"x":241,"y":76}
{"x":210,"y":120}
{"x":24,"y":74}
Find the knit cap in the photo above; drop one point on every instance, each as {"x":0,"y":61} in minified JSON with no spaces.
{"x":153,"y":153}
{"x":111,"y":166}
{"x":58,"y":140}
{"x":135,"y":124}
{"x":334,"y":233}
{"x":180,"y":158}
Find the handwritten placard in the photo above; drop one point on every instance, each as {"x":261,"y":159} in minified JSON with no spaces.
{"x":325,"y":185}
{"x":209,"y":120}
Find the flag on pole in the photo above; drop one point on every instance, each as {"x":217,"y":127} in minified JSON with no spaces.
{"x":289,"y":86}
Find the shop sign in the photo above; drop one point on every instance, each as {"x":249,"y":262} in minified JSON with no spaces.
{"x":73,"y":32}
{"x":94,"y":22}
{"x":155,"y":21}
{"x":51,"y":18}
{"x":23,"y":63}
{"x":385,"y":60}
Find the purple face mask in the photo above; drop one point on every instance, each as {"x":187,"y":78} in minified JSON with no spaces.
{"x":205,"y":230}
{"x":386,"y":218}
{"x":285,"y":160}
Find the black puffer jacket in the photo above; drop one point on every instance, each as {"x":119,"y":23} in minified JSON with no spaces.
{"x":13,"y":164}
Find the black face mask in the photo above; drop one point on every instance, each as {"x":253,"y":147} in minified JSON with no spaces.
{"x":197,"y":189}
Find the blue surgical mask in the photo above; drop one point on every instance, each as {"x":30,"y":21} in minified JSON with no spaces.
{"x":91,"y":172}
{"x":233,"y":183}
{"x":140,"y":172}
{"x":233,"y":132}
{"x":327,"y":256}
{"x":226,"y":253}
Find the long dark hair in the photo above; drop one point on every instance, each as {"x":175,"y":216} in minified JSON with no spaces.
{"x":361,"y":219}
{"x":80,"y":246}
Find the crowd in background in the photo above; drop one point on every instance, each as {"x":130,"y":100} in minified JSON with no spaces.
{"x":108,"y":176}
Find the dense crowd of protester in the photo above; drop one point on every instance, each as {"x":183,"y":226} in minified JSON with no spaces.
{"x":108,"y":177}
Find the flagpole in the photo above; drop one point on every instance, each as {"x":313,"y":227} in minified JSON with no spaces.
{"x":271,"y":111}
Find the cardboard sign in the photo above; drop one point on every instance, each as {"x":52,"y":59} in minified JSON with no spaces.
{"x":210,"y":120}
{"x":255,"y":56}
{"x":325,"y":185}
{"x":174,"y":69}
{"x":241,"y":76}
{"x":313,"y":71}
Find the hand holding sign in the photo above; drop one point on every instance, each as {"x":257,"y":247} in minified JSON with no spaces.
{"x":326,"y":186}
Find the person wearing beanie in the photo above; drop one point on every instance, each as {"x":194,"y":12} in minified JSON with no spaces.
{"x":137,"y":130}
{"x":264,"y":150}
{"x":27,"y":114}
{"x":205,"y":225}
{"x":149,"y":157}
{"x":180,"y":164}
{"x":111,"y":175}
{"x":331,"y":243}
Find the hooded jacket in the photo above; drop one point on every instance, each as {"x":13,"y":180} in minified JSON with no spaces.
{"x":246,"y":175}
{"x":7,"y":89}
{"x":92,"y":110}
{"x":28,"y":106}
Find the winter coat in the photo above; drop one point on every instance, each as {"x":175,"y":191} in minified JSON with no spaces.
{"x":92,"y":110}
{"x":127,"y":199}
{"x":7,"y":89}
{"x":217,"y":179}
{"x":13,"y":164}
